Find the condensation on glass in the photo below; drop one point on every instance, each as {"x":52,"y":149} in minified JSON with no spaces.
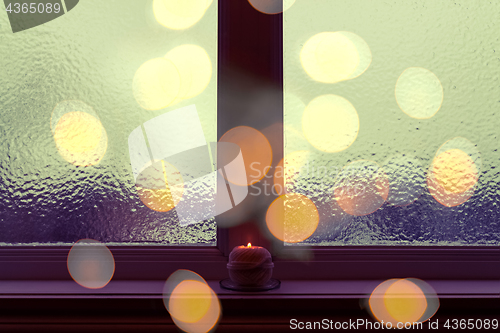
{"x":391,"y":120}
{"x":72,"y":91}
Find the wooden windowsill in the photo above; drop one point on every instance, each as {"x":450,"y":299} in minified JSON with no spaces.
{"x":289,"y":289}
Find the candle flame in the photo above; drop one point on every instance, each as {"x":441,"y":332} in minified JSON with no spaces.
{"x":249,"y":245}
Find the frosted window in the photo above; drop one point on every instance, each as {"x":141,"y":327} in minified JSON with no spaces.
{"x":391,"y":120}
{"x":77,"y":95}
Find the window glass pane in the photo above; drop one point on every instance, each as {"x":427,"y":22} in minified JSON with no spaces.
{"x":391,"y":121}
{"x":96,"y":103}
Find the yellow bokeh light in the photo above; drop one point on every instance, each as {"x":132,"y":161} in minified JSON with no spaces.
{"x":195,"y":69}
{"x":337,"y":56}
{"x":330,"y":123}
{"x":405,"y":301}
{"x":80,"y":138}
{"x":156,"y":84}
{"x":190,"y":301}
{"x":179,"y":14}
{"x":364,"y":53}
{"x":160,"y":186}
{"x":329,"y":57}
{"x":292,"y":218}
{"x":419,"y":93}
{"x":185,"y":8}
{"x":256,"y":151}
{"x":78,"y":132}
{"x":455,"y":171}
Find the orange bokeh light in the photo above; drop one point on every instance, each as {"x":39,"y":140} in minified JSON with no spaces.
{"x":361,"y":188}
{"x":271,"y":6}
{"x":190,"y":301}
{"x":256,"y":151}
{"x":403,"y":302}
{"x":292,"y":218}
{"x":160,"y":186}
{"x":192,"y":304}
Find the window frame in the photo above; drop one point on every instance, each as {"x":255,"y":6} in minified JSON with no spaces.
{"x":131,"y":262}
{"x":473,"y":263}
{"x":377,"y":262}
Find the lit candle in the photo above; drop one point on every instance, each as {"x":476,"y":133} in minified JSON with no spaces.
{"x":250,"y":265}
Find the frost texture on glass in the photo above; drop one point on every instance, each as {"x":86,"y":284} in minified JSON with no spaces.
{"x":91,"y":55}
{"x":458,"y":43}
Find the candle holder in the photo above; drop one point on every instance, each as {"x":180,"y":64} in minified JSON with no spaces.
{"x":250,"y":269}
